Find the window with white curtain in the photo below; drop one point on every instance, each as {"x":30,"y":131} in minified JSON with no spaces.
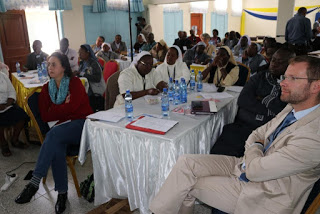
{"x":236,"y":7}
{"x":171,"y":7}
{"x":117,"y":4}
{"x":220,"y":6}
{"x":199,"y":7}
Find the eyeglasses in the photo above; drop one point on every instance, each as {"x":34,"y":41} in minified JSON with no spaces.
{"x":292,"y":78}
{"x":145,"y":64}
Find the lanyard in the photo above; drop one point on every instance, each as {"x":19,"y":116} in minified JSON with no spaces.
{"x":144,"y":83}
{"x":174,"y":73}
{"x":218,"y":79}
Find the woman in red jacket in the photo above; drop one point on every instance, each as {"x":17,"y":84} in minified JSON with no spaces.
{"x":62,"y":99}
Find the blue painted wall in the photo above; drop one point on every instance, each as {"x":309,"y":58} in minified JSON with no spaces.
{"x":109,"y":24}
{"x":219,"y":22}
{"x":172,"y":23}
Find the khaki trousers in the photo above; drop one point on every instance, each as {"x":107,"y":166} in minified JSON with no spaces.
{"x":206,"y":177}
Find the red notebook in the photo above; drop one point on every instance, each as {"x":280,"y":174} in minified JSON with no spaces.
{"x":151,"y":124}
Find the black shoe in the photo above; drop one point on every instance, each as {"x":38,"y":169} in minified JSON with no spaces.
{"x":61,"y":203}
{"x":27,"y":193}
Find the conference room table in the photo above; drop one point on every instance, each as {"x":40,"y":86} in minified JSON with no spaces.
{"x":134,"y":164}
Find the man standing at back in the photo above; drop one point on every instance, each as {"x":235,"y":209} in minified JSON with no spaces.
{"x":298,"y":32}
{"x":280,"y":165}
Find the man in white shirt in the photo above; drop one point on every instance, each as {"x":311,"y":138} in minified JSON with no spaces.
{"x":70,"y":53}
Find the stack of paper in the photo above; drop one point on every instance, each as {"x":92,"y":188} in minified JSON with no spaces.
{"x":106,"y":116}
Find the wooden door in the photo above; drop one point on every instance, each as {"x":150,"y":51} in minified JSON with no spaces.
{"x":14,"y":38}
{"x":196,"y":21}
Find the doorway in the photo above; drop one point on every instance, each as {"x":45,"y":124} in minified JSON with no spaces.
{"x":197,"y":23}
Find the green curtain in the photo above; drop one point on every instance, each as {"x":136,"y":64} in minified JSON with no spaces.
{"x":60,"y":5}
{"x":2,"y":7}
{"x":99,"y":6}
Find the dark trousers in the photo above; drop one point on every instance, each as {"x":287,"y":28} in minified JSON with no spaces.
{"x":54,"y":150}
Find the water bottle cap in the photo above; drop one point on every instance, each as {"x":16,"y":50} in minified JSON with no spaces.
{"x":127,"y":91}
{"x":192,"y":71}
{"x":182,"y":79}
{"x":170,"y":79}
{"x":177,"y":81}
{"x":199,"y":72}
{"x":165,"y":90}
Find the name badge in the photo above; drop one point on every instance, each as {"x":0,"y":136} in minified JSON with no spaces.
{"x":185,"y":48}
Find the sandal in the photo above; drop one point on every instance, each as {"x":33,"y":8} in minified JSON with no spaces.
{"x":5,"y":150}
{"x":19,"y":144}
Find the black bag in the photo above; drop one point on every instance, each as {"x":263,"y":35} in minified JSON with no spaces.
{"x":87,"y":188}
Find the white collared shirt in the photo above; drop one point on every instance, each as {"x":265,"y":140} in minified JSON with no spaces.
{"x":73,"y":58}
{"x":6,"y":89}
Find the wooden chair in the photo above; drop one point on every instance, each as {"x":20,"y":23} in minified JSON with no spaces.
{"x":112,"y":90}
{"x":244,"y":74}
{"x":31,"y":103}
{"x":110,"y":68}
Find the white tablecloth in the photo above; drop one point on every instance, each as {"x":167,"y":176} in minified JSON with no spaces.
{"x":26,"y":81}
{"x":133,"y":164}
{"x":124,"y":64}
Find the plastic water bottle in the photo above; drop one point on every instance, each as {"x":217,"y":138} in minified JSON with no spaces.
{"x":192,"y":81}
{"x":171,"y":90}
{"x":176,"y":93}
{"x":128,"y":105}
{"x":183,"y":91}
{"x":39,"y":73}
{"x":165,"y":103}
{"x":44,"y":71}
{"x":129,"y":52}
{"x":18,"y":69}
{"x":199,"y":82}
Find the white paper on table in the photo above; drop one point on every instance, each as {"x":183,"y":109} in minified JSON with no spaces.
{"x":209,"y":87}
{"x":106,"y":116}
{"x":221,"y":95}
{"x":54,"y":123}
{"x":158,"y":124}
{"x":5,"y":109}
{"x":235,"y":88}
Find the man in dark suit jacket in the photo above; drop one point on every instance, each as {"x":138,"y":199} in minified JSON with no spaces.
{"x":182,"y":42}
{"x":117,"y":45}
{"x":37,"y":57}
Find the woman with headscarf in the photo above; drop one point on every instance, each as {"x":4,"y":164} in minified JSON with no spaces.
{"x":210,"y":49}
{"x":159,"y":51}
{"x":242,"y":45}
{"x":223,"y":71}
{"x":173,"y":66}
{"x":62,"y":99}
{"x":140,"y":78}
{"x":141,"y":40}
{"x":106,"y":53}
{"x":91,"y":69}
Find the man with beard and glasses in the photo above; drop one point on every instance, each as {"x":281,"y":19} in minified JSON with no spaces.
{"x":280,"y":165}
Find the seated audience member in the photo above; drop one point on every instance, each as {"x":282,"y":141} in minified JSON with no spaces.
{"x":117,"y":45}
{"x":278,"y":169}
{"x":36,"y":57}
{"x":238,"y":35}
{"x":259,"y":102}
{"x":215,"y":39}
{"x":193,"y":38}
{"x":315,"y":41}
{"x":90,"y":69}
{"x":140,"y":78}
{"x":4,"y":69}
{"x":253,"y":59}
{"x":70,"y":53}
{"x":242,"y":45}
{"x":63,"y":98}
{"x":173,"y":66}
{"x":225,"y":39}
{"x":223,"y":71}
{"x":182,"y":42}
{"x":268,"y":42}
{"x":141,"y":40}
{"x":144,"y":28}
{"x":150,"y":43}
{"x":10,"y":115}
{"x":159,"y":51}
{"x":210,"y":49}
{"x":232,"y":40}
{"x":97,"y":47}
{"x":197,"y":55}
{"x":106,"y":53}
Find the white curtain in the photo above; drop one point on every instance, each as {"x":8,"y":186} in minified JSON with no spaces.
{"x":26,"y":4}
{"x":117,"y":4}
{"x":236,"y":7}
{"x":199,"y":7}
{"x":220,"y":6}
{"x":171,"y":7}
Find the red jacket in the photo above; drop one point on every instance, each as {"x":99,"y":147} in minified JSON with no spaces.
{"x":77,"y":108}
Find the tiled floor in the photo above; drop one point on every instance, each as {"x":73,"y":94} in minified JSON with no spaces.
{"x":45,"y":199}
